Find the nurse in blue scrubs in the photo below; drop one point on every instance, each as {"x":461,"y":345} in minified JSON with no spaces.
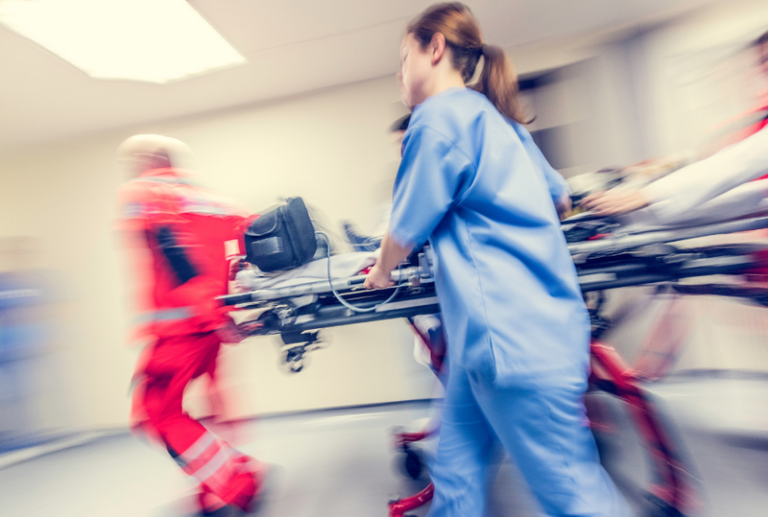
{"x":473,"y":183}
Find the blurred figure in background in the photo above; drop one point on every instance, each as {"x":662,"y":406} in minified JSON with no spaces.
{"x":755,"y":88}
{"x":702,"y":181}
{"x":711,"y":190}
{"x":372,"y":242}
{"x":182,"y":229}
{"x":24,"y":333}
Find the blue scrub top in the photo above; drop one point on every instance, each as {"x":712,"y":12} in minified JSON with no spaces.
{"x":476,"y":186}
{"x":555,"y":181}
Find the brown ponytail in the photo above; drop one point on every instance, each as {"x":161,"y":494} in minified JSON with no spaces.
{"x":462,"y":34}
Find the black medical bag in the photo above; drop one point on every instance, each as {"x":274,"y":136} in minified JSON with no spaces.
{"x":281,"y":239}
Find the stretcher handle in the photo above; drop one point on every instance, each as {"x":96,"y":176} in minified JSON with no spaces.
{"x":628,"y":242}
{"x":584,"y":217}
{"x":758,"y":294}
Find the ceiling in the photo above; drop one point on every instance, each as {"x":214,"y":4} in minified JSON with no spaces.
{"x":291,"y":46}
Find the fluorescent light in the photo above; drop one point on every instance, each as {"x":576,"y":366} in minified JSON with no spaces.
{"x":143,"y":40}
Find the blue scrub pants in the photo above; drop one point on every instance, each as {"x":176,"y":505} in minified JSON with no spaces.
{"x":542,"y":424}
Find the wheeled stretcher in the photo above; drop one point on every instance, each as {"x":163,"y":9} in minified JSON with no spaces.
{"x":607,"y":256}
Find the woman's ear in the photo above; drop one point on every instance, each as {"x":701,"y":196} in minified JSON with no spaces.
{"x":437,"y":47}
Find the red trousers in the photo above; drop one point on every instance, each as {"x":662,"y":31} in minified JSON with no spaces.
{"x":224,"y":474}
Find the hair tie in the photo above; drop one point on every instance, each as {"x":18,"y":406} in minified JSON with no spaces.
{"x":482,"y":48}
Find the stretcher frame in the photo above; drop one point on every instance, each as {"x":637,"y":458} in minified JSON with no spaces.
{"x":603,"y":264}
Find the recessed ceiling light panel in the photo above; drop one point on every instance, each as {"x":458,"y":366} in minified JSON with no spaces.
{"x":143,"y":40}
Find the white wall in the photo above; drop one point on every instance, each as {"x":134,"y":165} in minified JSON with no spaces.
{"x":331,"y":147}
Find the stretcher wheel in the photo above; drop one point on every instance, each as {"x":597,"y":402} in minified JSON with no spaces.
{"x":656,"y":507}
{"x":280,"y":316}
{"x":413,"y":462}
{"x":293,"y":359}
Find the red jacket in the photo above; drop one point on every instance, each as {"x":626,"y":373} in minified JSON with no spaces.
{"x":202,"y":222}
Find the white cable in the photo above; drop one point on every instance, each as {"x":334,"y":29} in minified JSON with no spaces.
{"x":338,"y":296}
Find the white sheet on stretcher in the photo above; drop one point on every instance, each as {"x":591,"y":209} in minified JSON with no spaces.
{"x":745,"y":200}
{"x":342,"y":266}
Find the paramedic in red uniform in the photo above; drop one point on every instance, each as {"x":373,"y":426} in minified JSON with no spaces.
{"x":177,"y":230}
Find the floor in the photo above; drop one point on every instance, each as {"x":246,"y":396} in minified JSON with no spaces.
{"x":340,"y":462}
